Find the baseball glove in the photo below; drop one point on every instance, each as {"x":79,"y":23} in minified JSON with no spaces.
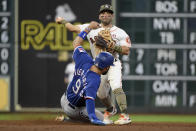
{"x":104,"y":41}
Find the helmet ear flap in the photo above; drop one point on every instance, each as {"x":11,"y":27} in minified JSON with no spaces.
{"x":104,"y":59}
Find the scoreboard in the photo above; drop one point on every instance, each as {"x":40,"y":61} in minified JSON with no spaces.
{"x":158,"y":75}
{"x":6,"y":52}
{"x":5,"y":40}
{"x":160,"y":71}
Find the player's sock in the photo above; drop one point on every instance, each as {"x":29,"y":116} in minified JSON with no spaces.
{"x":121,"y":99}
{"x":90,"y":106}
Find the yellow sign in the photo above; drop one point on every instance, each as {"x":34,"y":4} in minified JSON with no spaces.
{"x":4,"y":94}
{"x":35,"y":35}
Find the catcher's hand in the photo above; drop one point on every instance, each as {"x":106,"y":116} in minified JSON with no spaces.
{"x":104,"y":40}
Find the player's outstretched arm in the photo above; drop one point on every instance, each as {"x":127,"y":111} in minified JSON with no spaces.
{"x":68,"y":25}
{"x":82,"y":35}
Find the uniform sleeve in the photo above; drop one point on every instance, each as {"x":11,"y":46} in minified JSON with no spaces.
{"x":80,"y":56}
{"x":92,"y":87}
{"x":82,"y":27}
{"x":124,"y":39}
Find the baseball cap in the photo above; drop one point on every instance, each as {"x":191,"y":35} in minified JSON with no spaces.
{"x":106,"y":7}
{"x":104,"y":59}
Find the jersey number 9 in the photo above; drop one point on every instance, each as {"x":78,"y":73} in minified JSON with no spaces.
{"x":77,"y":87}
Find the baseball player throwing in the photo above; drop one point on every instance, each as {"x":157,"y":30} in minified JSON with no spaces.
{"x":121,"y":45}
{"x":85,"y":83}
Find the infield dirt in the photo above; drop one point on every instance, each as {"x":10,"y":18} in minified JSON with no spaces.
{"x":43,"y":125}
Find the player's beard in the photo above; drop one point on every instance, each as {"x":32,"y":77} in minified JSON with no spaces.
{"x":106,"y":23}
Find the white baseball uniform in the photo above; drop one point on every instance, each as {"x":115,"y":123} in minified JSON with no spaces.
{"x":114,"y":75}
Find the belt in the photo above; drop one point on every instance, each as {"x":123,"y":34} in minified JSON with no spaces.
{"x":72,"y":106}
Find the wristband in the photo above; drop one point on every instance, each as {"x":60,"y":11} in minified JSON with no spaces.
{"x":118,"y":49}
{"x":83,"y":35}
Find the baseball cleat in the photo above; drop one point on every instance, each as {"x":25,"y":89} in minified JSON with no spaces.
{"x":107,"y":121}
{"x":97,"y":122}
{"x":107,"y":114}
{"x":61,"y":118}
{"x":110,"y":113}
{"x":123,"y":119}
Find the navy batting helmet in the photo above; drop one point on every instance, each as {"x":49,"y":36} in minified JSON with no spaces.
{"x":104,"y":59}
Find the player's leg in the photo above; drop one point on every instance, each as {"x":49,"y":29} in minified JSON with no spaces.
{"x":84,"y":114}
{"x":104,"y":96}
{"x":63,"y":103}
{"x":77,"y":113}
{"x":115,"y":79}
{"x":99,"y":115}
{"x":71,"y":111}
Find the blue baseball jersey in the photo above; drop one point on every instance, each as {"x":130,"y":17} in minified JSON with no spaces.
{"x":85,"y":83}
